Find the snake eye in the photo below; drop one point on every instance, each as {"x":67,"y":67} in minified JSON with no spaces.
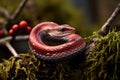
{"x":64,"y":29}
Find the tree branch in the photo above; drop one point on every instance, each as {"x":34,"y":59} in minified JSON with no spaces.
{"x":17,"y":38}
{"x":10,"y":19}
{"x":18,"y":10}
{"x":105,"y":28}
{"x":22,"y":37}
{"x":5,"y":13}
{"x":12,"y":50}
{"x":5,"y":41}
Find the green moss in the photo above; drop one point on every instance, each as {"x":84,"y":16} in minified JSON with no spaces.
{"x":103,"y":60}
{"x":19,"y":68}
{"x":101,"y":63}
{"x":28,"y":67}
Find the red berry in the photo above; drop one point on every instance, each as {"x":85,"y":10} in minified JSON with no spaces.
{"x":23,"y":24}
{"x":2,"y":33}
{"x":15,"y":27}
{"x":28,"y":29}
{"x":11,"y":32}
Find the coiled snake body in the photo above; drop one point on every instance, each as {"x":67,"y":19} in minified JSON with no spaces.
{"x":50,"y":30}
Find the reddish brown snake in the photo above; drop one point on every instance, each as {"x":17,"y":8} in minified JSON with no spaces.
{"x":72,"y":42}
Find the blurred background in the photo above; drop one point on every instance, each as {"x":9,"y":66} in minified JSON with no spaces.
{"x":82,"y":14}
{"x":86,"y":16}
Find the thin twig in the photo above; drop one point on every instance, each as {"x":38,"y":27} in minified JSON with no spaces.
{"x":104,"y":29}
{"x":17,"y":38}
{"x":22,"y":37}
{"x":6,"y":16}
{"x":12,"y":50}
{"x":18,"y":10}
{"x":6,"y":39}
{"x":5,"y":13}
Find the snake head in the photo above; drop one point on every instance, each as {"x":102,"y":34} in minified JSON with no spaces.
{"x":61,"y":31}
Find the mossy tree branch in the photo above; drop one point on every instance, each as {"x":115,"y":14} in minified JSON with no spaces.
{"x":105,"y":28}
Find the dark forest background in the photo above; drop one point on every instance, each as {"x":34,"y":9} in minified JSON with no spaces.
{"x":86,"y":15}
